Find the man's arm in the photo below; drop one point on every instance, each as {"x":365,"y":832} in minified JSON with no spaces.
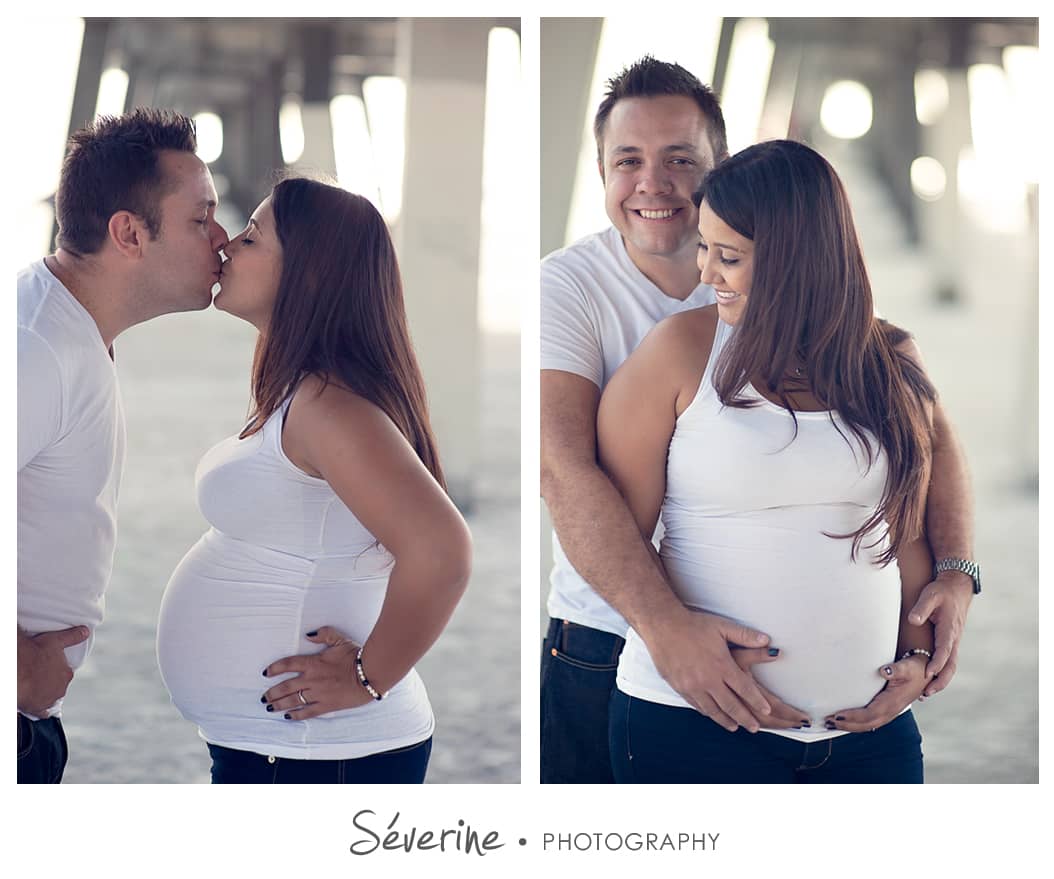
{"x":43,"y":673}
{"x":949,"y":524}
{"x":601,"y":539}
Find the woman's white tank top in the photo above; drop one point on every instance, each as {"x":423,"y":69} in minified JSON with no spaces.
{"x":746,"y":510}
{"x":283,"y":557}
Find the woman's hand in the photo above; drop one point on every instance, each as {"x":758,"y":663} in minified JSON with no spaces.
{"x":905,"y":681}
{"x":327,"y":680}
{"x":782,"y":715}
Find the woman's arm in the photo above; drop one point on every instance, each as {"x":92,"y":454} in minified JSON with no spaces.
{"x":357,"y":449}
{"x":640,"y":405}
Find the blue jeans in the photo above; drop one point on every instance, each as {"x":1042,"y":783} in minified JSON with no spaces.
{"x":399,"y":766}
{"x":42,"y":751}
{"x":578,"y":675}
{"x":666,"y":744}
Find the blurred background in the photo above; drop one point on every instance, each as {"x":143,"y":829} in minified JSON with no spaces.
{"x":933,"y":125}
{"x":418,"y":115}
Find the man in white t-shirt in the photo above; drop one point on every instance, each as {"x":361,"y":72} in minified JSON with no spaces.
{"x":137,"y":238}
{"x":658,"y":131}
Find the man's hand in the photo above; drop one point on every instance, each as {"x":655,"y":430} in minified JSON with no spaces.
{"x":43,"y":673}
{"x":944,"y":602}
{"x":905,"y":681}
{"x":327,"y":680}
{"x":783,"y":716}
{"x":691,"y":652}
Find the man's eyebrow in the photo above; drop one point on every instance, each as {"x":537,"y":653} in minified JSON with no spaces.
{"x":669,"y":148}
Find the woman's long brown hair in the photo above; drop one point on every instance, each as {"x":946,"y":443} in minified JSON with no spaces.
{"x":339,"y":312}
{"x":810,"y":302}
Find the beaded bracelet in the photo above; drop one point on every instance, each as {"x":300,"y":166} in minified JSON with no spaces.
{"x":362,"y":677}
{"x":917,"y":651}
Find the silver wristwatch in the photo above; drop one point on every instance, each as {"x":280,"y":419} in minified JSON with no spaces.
{"x":971,"y":569}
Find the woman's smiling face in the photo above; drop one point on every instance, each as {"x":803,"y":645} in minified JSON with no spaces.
{"x":726,"y":262}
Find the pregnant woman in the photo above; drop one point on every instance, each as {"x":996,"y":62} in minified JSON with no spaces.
{"x":785,"y":434}
{"x":289,"y":631}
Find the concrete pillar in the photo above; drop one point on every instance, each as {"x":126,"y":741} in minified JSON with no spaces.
{"x":779,"y":95}
{"x":724,"y":53}
{"x":89,"y":72}
{"x":443,"y":63}
{"x":317,"y":57}
{"x":895,"y":137}
{"x":86,"y":89}
{"x":943,"y":230}
{"x":569,"y":51}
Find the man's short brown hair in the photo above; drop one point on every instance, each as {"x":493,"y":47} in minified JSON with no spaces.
{"x":648,"y":78}
{"x":112,"y":165}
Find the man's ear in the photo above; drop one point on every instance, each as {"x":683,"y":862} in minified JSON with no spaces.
{"x":600,"y":168}
{"x":127,"y":232}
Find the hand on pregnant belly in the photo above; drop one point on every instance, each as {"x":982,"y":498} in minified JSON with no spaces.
{"x":905,"y":681}
{"x":324,"y":682}
{"x":783,"y":716}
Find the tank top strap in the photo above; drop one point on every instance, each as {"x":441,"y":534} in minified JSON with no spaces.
{"x":705,"y":389}
{"x":721,"y":337}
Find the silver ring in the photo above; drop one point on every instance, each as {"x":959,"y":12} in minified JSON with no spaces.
{"x":300,"y":693}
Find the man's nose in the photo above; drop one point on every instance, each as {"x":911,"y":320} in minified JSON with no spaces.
{"x":654,"y":180}
{"x":220,"y":239}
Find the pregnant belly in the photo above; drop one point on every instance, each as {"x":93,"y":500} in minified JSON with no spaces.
{"x":230,"y":609}
{"x":834,"y":621}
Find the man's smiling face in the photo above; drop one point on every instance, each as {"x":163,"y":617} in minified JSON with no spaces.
{"x":655,"y":152}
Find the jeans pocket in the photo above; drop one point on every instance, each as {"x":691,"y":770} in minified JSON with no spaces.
{"x":25,"y":736}
{"x":582,"y":664}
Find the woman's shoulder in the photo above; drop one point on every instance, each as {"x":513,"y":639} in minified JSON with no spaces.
{"x":675,"y":353}
{"x":685,"y":339}
{"x":324,"y":403}
{"x":688,"y":326}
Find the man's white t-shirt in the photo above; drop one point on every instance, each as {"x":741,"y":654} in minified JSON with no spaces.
{"x":71,"y":445}
{"x":596,"y":307}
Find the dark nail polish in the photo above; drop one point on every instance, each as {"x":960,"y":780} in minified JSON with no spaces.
{"x":270,"y":707}
{"x":263,"y":698}
{"x":287,"y":716}
{"x":806,"y":723}
{"x":774,"y":651}
{"x":840,"y":717}
{"x":829,"y":724}
{"x":312,"y":634}
{"x":265,"y":672}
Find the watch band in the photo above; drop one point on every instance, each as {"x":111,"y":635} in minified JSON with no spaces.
{"x":970,"y":568}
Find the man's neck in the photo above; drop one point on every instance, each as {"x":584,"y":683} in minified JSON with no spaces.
{"x":676,"y":276}
{"x":84,"y":282}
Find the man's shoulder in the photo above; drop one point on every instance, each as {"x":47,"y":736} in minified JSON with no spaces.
{"x":584,"y":256}
{"x":592,"y":271}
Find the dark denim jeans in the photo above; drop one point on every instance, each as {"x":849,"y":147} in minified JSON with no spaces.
{"x":42,"y":751}
{"x":578,"y":675}
{"x":400,"y":766}
{"x":665,"y":744}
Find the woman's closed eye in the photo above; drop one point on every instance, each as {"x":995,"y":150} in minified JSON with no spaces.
{"x":727,"y":261}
